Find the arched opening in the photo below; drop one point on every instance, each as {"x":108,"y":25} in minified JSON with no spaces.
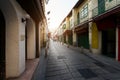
{"x":2,"y":47}
{"x":30,"y":39}
{"x":14,"y":38}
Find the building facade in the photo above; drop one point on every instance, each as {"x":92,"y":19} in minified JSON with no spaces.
{"x":106,"y":20}
{"x":95,"y":26}
{"x":20,"y":23}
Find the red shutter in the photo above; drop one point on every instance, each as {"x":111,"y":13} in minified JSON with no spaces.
{"x":106,"y":23}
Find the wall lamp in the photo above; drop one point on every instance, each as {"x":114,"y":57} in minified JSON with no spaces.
{"x":23,"y":20}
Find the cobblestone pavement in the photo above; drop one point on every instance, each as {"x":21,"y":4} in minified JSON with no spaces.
{"x":70,"y":64}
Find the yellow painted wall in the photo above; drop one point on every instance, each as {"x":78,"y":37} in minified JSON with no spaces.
{"x":67,"y":23}
{"x":74,"y":37}
{"x":79,"y":9}
{"x":95,"y":40}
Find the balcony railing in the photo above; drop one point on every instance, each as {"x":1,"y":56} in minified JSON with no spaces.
{"x":101,"y":8}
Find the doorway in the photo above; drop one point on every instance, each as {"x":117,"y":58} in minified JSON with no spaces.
{"x":83,"y":40}
{"x":2,"y":47}
{"x":109,"y":42}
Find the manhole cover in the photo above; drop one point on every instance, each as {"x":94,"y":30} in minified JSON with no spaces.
{"x":61,"y":57}
{"x":87,"y":73}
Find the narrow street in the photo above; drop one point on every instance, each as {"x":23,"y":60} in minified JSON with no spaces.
{"x":83,"y":35}
{"x":65,"y":63}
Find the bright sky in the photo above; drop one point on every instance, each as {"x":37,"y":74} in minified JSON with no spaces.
{"x":59,"y":9}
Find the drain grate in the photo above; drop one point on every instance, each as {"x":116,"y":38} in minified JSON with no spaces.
{"x":87,"y":73}
{"x":61,"y":57}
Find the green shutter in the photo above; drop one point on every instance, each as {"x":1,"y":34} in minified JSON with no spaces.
{"x":83,"y":41}
{"x":70,"y":39}
{"x":101,"y":6}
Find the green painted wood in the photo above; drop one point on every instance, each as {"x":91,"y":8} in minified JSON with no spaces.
{"x":101,"y":6}
{"x":83,"y":41}
{"x":70,"y":40}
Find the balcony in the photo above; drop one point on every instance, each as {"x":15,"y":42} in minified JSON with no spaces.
{"x":102,"y":8}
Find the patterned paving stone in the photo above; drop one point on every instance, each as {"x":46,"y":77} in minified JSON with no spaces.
{"x":66,"y":76}
{"x":80,"y":78}
{"x":73,"y":69}
{"x":76,"y":74}
{"x":69,"y":64}
{"x":97,"y":78}
{"x":53,"y":78}
{"x":55,"y":65}
{"x":111,"y":76}
{"x":54,"y":73}
{"x":100,"y":71}
{"x":56,"y":68}
{"x":61,"y":57}
{"x":107,"y":67}
{"x":87,"y":73}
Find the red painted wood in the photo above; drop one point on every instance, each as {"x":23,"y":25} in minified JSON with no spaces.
{"x":106,"y":23}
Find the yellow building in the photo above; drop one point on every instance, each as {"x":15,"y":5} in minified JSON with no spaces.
{"x":95,"y":26}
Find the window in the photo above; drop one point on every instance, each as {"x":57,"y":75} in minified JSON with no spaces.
{"x":84,"y":12}
{"x":64,"y":26}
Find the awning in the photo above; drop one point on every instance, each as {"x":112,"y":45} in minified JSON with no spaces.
{"x":34,"y":8}
{"x":67,"y":32}
{"x":82,"y":28}
{"x":109,"y":22}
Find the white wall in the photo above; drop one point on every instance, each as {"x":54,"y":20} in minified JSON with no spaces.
{"x":30,"y":26}
{"x":15,"y":44}
{"x":11,"y":38}
{"x":20,"y":14}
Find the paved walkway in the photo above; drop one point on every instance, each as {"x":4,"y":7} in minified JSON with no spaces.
{"x":65,"y":63}
{"x":30,"y":68}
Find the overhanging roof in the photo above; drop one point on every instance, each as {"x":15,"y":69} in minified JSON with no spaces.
{"x":112,"y":11}
{"x":78,"y":3}
{"x":67,"y":32}
{"x":34,"y":8}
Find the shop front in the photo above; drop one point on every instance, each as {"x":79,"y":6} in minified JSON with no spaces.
{"x":108,"y":28}
{"x":82,"y":36}
{"x":68,"y":37}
